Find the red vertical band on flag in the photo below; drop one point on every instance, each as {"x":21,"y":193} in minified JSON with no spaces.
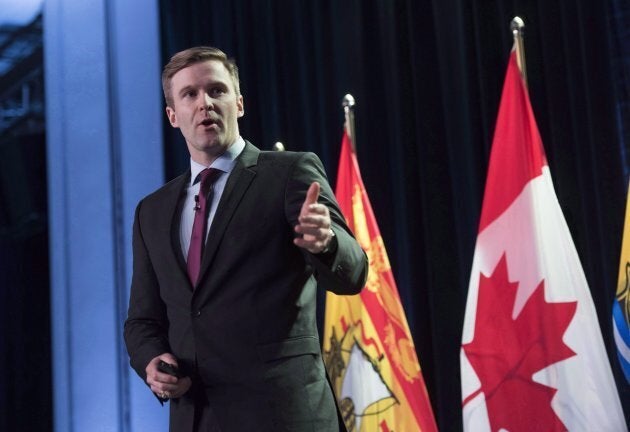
{"x":381,"y":300}
{"x":532,"y":356}
{"x":521,"y":156}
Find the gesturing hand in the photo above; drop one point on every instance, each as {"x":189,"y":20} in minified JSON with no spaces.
{"x":314,"y":223}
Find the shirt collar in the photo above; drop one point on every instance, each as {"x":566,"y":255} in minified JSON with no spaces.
{"x":224,"y":163}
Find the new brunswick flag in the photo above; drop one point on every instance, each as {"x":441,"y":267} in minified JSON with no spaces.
{"x":368,"y":350}
{"x":621,"y":305}
{"x":533,"y":356}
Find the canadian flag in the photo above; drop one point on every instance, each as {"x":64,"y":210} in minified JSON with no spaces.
{"x":532,"y":356}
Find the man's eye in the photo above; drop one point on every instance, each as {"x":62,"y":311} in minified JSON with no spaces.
{"x":190,"y":93}
{"x":217,"y":91}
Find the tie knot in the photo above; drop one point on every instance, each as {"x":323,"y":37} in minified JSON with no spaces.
{"x":207,"y":177}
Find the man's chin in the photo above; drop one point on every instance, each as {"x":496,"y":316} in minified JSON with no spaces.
{"x":211,"y":145}
{"x":213,"y":148}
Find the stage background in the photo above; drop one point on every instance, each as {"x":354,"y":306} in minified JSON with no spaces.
{"x":427,"y":77}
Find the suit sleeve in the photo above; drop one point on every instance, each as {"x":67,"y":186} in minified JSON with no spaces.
{"x":146,"y":325}
{"x":345,"y":271}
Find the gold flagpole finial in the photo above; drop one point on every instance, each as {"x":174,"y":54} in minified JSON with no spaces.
{"x":348,"y":108}
{"x":278,"y":146}
{"x":517,"y":26}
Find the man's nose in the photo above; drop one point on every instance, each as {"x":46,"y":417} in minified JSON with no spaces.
{"x":207,"y":102}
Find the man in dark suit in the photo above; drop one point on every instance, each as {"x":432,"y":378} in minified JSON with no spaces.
{"x":234,"y":315}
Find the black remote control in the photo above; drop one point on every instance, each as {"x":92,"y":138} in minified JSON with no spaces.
{"x":170,"y":369}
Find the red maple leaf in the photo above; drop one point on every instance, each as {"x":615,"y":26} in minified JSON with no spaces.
{"x":506,"y":353}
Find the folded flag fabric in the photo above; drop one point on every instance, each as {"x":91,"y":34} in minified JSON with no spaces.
{"x":532,"y":356}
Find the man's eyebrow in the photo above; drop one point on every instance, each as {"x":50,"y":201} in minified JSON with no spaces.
{"x":185,"y":89}
{"x":217,"y":83}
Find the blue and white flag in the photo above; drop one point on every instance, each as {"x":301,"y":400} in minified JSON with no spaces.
{"x":621,"y":305}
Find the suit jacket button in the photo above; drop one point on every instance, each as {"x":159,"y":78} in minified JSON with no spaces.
{"x":196,"y":313}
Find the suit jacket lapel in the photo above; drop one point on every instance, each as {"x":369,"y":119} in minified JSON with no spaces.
{"x":174,"y":209}
{"x":240,"y":178}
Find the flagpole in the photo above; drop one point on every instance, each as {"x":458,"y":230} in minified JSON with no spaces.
{"x":517,"y":26}
{"x":348,"y":108}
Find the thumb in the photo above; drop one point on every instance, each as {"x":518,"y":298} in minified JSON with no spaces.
{"x":169,"y":358}
{"x":312,"y":194}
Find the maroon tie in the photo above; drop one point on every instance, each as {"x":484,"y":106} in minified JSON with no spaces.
{"x":198,"y":236}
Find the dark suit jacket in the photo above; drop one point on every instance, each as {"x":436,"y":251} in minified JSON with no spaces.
{"x":247,"y":332}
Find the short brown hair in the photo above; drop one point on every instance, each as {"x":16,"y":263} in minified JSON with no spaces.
{"x":190,"y":56}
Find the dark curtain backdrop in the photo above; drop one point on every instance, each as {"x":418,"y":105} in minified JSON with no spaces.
{"x":427,"y":77}
{"x":25,"y":354}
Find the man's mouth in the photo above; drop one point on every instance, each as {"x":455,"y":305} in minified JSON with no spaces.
{"x":209,"y":122}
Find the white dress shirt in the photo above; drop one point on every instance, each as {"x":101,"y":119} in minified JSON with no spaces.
{"x":224,"y":163}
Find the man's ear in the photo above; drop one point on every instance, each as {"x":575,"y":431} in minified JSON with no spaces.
{"x":172,"y":117}
{"x":241,"y":106}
